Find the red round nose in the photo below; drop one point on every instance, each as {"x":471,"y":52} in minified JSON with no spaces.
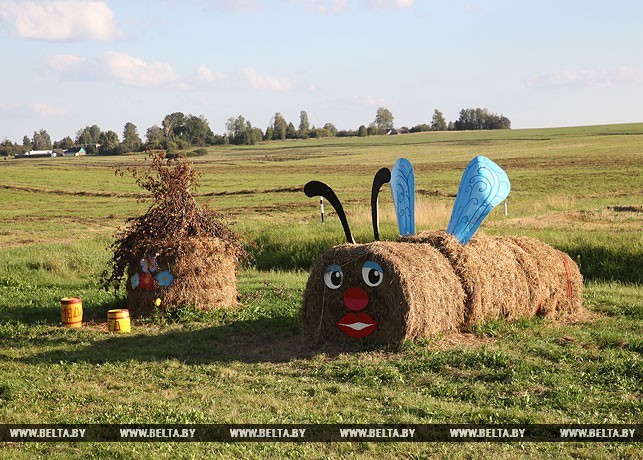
{"x":355,"y":299}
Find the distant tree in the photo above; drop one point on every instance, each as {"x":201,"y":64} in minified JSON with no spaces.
{"x":255,"y":134}
{"x":332,"y":130}
{"x":236,"y":128}
{"x":173,"y":125}
{"x":291,"y":132}
{"x":241,"y":131}
{"x":478,"y":118}
{"x":26,"y":143}
{"x":64,"y":143}
{"x":5,"y":147}
{"x":8,"y":148}
{"x":420,"y":128}
{"x":438,"y":123}
{"x":88,"y":135}
{"x":450,"y":126}
{"x":131,"y":140}
{"x":154,"y":137}
{"x":269,"y":134}
{"x":219,"y":139}
{"x":371,"y":130}
{"x":383,"y":120}
{"x":304,"y":124}
{"x":41,"y":140}
{"x":346,"y":133}
{"x":197,"y":131}
{"x":109,"y":144}
{"x":279,"y":126}
{"x":362,"y":131}
{"x":504,"y":123}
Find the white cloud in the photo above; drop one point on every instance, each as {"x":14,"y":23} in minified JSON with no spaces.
{"x":388,"y":4}
{"x":132,"y":71}
{"x":261,"y":82}
{"x":473,"y":9}
{"x":245,"y":79}
{"x":339,"y":6}
{"x":40,"y":109}
{"x":369,"y":101}
{"x":59,"y":20}
{"x":586,"y":78}
{"x":207,"y":75}
{"x":234,"y":5}
{"x":46,"y":110}
{"x":120,"y":67}
{"x":65,"y":63}
{"x":323,"y":6}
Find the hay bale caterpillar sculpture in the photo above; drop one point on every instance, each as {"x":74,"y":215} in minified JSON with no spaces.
{"x":433,"y":282}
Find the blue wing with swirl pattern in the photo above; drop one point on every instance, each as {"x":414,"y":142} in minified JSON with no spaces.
{"x":403,"y":188}
{"x":484,"y":185}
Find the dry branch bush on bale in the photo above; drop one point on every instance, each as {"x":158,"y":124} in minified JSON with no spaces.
{"x":179,"y":251}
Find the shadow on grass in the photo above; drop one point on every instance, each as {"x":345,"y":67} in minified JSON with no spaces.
{"x":598,"y":263}
{"x":264,"y":340}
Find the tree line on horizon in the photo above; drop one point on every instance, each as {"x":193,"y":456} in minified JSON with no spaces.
{"x":181,"y":132}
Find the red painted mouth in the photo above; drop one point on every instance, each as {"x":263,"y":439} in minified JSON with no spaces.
{"x":357,"y":325}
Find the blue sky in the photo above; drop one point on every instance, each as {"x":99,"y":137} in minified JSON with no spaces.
{"x":69,"y":64}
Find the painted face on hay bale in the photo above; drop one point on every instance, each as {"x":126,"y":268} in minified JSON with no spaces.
{"x":382,"y":292}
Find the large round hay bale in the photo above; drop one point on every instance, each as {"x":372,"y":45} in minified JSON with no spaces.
{"x":203,"y":271}
{"x":494,"y":283}
{"x":420,"y":295}
{"x":560,"y":280}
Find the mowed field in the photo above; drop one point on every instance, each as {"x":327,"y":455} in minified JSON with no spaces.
{"x":579,"y":189}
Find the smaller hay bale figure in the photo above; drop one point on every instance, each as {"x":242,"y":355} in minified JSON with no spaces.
{"x":178,"y":253}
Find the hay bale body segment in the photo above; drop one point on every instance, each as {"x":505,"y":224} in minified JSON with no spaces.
{"x":510,"y":277}
{"x":419,"y":296}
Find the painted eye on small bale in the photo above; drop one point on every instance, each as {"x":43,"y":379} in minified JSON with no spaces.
{"x":333,"y":276}
{"x":372,"y":273}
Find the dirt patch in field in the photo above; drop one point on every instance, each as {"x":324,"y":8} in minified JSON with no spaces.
{"x":21,"y":188}
{"x":436,"y":192}
{"x":71,"y":192}
{"x":626,"y":208}
{"x":297,"y":189}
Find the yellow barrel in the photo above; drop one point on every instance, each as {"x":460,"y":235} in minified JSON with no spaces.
{"x":71,"y":311}
{"x":118,"y":320}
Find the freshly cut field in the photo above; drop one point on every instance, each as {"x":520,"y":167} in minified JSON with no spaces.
{"x":579,"y":189}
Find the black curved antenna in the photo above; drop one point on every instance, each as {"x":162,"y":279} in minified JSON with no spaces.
{"x":316,"y":188}
{"x":382,"y":177}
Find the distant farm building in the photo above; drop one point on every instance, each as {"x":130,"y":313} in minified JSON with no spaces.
{"x":73,"y":152}
{"x":37,"y":154}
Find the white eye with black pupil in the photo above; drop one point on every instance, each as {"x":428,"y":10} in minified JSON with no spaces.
{"x":372,"y":273}
{"x":333,"y":276}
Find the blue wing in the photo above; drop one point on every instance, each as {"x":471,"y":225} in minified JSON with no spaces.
{"x":484,"y":185}
{"x":403,"y":188}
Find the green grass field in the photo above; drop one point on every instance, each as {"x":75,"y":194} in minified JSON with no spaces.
{"x":579,"y":189}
